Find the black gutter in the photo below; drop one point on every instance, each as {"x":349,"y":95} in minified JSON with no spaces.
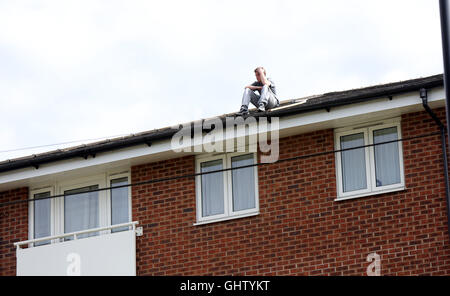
{"x":424,"y":96}
{"x":326,"y":101}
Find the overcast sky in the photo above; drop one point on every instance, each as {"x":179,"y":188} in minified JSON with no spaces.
{"x":73,"y":70}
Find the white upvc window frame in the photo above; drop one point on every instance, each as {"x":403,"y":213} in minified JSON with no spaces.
{"x":115,"y":176}
{"x":33,"y":192}
{"x":228,"y":189}
{"x":368,"y":130}
{"x":103,"y":215}
{"x":387,"y":188}
{"x":341,"y":192}
{"x":57,"y":204}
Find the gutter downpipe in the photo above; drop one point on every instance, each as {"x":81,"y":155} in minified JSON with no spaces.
{"x":424,"y":97}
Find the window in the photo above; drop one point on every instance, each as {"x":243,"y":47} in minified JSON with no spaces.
{"x":82,"y":206}
{"x":243,"y":188}
{"x":120,"y":208}
{"x":41,"y":215}
{"x":353,"y":163}
{"x":386,"y":157}
{"x":81,"y":210}
{"x":369,"y":170}
{"x":228,"y":194}
{"x":213,"y":196}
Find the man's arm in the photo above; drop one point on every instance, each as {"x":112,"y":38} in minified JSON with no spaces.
{"x":252,"y":87}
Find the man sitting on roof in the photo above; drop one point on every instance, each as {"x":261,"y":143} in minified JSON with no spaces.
{"x":267,"y":98}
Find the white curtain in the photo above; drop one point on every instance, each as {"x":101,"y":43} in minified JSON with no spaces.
{"x":243,"y":183}
{"x":42,"y":212}
{"x":353,"y":163}
{"x":387,"y":164}
{"x":81,"y":210}
{"x":119,"y":203}
{"x":212,"y":188}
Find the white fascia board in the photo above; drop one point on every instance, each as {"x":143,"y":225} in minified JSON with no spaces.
{"x":289,"y":125}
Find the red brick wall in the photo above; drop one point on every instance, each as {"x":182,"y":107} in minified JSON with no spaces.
{"x":301,"y":229}
{"x":13,"y":228}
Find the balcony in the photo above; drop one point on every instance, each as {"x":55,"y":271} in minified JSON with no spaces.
{"x":107,"y":253}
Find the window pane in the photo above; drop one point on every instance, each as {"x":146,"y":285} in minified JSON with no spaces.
{"x":119,"y":203}
{"x":42,"y":212}
{"x":353,"y":163}
{"x":387,"y":163}
{"x":81,"y":210}
{"x":243,"y":183}
{"x":212,"y":188}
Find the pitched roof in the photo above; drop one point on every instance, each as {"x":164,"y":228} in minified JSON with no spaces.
{"x":288,"y":107}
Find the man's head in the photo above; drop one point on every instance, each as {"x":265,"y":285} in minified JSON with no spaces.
{"x":258,"y":73}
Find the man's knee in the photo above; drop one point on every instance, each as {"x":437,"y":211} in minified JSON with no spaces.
{"x":272,"y":102}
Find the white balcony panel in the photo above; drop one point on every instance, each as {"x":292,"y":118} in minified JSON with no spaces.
{"x":107,"y":254}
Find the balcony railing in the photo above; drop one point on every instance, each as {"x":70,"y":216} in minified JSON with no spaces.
{"x":108,"y":253}
{"x":60,"y":237}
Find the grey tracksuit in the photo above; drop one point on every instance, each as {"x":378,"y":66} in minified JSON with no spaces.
{"x":267,"y":96}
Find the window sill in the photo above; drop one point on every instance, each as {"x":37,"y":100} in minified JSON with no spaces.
{"x":227,"y":218}
{"x":368,"y":194}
